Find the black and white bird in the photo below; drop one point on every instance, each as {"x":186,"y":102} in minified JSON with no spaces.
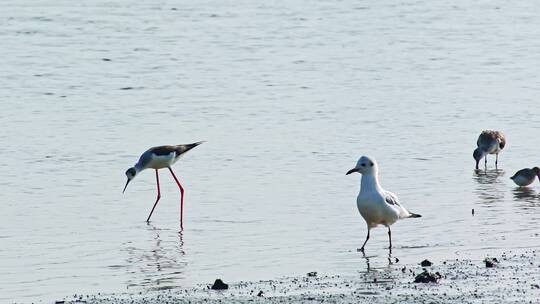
{"x":525,"y":177}
{"x":159,"y":158}
{"x":376,"y":205}
{"x":489,"y":142}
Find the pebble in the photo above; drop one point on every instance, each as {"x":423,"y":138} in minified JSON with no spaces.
{"x":426,"y":263}
{"x":427,"y":277}
{"x":219,"y":285}
{"x":491,"y":262}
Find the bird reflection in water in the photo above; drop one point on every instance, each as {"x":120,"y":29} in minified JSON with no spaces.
{"x":524,"y":193}
{"x":385,"y":274}
{"x":369,"y":268}
{"x":162,"y":265}
{"x":490,"y":187}
{"x":528,"y":201}
{"x":527,"y":195}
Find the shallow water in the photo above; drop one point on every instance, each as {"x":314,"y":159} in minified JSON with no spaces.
{"x":288,"y":95}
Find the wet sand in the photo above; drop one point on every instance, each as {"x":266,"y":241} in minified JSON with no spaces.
{"x":514,"y":279}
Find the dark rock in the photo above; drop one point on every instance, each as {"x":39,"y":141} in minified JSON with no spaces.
{"x":312,"y":274}
{"x":426,"y":263}
{"x":491,"y":262}
{"x":260,"y":294}
{"x":219,"y":285}
{"x":59,"y":302}
{"x":427,"y":277}
{"x":105,"y":59}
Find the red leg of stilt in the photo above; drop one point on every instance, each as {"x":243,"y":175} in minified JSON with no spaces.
{"x":157,"y":199}
{"x":181,"y":199}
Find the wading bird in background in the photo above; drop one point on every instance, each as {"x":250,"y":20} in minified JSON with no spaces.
{"x":159,"y":158}
{"x":525,"y":177}
{"x":489,"y":142}
{"x":376,"y":205}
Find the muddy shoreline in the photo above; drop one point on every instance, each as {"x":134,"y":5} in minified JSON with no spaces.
{"x":514,"y":279}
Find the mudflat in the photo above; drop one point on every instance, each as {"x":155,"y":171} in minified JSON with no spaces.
{"x":511,"y":277}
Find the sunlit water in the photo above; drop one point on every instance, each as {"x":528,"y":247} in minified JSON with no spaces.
{"x":288,"y":95}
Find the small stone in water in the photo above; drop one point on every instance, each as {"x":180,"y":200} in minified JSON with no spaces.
{"x":426,"y":263}
{"x":427,"y":277}
{"x":219,"y":285}
{"x":491,"y":262}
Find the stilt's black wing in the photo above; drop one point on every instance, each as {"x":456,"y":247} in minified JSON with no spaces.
{"x":181,"y":149}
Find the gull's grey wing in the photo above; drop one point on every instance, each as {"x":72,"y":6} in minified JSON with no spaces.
{"x":393,"y":201}
{"x":391,"y":198}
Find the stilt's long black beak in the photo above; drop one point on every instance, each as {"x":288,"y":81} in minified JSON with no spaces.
{"x":352,"y":171}
{"x":126,"y":185}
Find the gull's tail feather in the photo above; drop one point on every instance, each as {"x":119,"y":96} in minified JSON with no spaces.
{"x":414,"y":215}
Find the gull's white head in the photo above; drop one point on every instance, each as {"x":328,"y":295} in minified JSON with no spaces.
{"x":365,"y":165}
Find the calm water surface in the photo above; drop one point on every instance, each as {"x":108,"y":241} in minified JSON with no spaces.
{"x":288,"y":95}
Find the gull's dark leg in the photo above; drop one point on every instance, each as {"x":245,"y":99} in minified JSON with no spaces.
{"x":367,"y":238}
{"x":181,"y":199}
{"x":157,"y":199}
{"x":496,"y":160}
{"x":390,"y":238}
{"x":485,"y":161}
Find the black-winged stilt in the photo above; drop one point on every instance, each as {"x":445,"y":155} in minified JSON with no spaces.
{"x":159,"y":158}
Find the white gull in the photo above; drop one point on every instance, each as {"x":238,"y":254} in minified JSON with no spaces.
{"x":376,"y":205}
